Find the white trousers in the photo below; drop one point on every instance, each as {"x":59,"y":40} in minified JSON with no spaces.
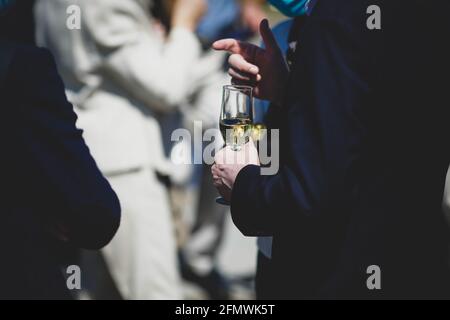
{"x":142,"y":257}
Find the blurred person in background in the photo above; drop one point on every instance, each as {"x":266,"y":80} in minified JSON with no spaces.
{"x":187,"y":193}
{"x":206,"y":221}
{"x":54,"y":198}
{"x":123,"y":75}
{"x":231,"y":18}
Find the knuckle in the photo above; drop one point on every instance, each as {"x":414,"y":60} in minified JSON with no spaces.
{"x":233,"y":59}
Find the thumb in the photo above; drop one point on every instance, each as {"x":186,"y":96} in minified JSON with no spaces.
{"x":269,"y":39}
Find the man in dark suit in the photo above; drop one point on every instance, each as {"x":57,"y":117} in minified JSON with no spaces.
{"x":53,"y":196}
{"x":363,"y":130}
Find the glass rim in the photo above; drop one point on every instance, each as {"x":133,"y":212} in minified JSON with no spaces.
{"x":233,"y":87}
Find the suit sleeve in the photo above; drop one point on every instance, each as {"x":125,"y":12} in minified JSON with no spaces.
{"x":320,"y":136}
{"x":155,"y":72}
{"x":71,"y":186}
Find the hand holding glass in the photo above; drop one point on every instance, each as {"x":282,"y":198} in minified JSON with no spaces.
{"x":236,"y":118}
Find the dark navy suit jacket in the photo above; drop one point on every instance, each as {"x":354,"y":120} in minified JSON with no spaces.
{"x":48,"y":179}
{"x":364,"y":152}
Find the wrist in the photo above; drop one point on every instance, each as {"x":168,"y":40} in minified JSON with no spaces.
{"x":184,"y":23}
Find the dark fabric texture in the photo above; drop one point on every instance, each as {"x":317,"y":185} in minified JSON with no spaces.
{"x":17,"y":22}
{"x":49,"y":180}
{"x":364,"y":152}
{"x":266,"y":279}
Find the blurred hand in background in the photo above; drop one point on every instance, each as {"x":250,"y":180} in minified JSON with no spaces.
{"x":187,"y":13}
{"x":252,"y":14}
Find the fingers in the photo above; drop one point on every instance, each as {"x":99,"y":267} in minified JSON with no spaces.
{"x":267,"y":35}
{"x":238,"y":63}
{"x":230,"y":45}
{"x":218,"y":183}
{"x":237,"y":75}
{"x":217,"y":179}
{"x":241,"y":70}
{"x":243,"y":77}
{"x":215,"y":172}
{"x":237,"y":82}
{"x":246,"y":50}
{"x":218,"y":158}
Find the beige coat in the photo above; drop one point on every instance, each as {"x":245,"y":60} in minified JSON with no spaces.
{"x":120,"y":74}
{"x":123,"y":78}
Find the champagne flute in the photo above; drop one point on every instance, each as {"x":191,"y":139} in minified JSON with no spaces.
{"x":236,"y":118}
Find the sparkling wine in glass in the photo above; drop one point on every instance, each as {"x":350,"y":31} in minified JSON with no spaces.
{"x":236,"y":118}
